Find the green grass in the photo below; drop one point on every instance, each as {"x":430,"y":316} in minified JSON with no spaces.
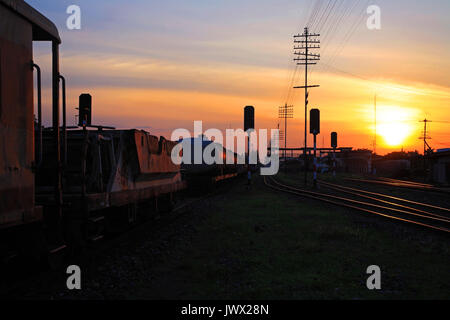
{"x":257,"y":244}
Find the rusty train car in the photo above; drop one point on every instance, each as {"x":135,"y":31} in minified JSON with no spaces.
{"x":111,"y":179}
{"x":20,"y":25}
{"x":62,"y":187}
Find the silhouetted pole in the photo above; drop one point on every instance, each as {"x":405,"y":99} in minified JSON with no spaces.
{"x":426,"y":146}
{"x":281,"y":136}
{"x":315,"y":161}
{"x":306,"y":59}
{"x":334,"y":144}
{"x":285,"y":112}
{"x":285,"y":132}
{"x":334,"y":162}
{"x":56,"y":131}
{"x":425,"y":137}
{"x":249,"y":124}
{"x":315,"y":130}
{"x":375,"y":137}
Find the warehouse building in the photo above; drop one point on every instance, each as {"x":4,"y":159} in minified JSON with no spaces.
{"x":441,"y":166}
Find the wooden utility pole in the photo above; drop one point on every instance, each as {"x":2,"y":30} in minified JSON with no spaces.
{"x":426,"y":146}
{"x":425,"y":137}
{"x":307,"y":41}
{"x":285,"y":112}
{"x":375,"y":137}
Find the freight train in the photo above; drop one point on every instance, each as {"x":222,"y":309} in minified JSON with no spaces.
{"x":61,"y":187}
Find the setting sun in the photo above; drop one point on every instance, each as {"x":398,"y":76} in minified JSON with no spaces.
{"x":395,"y":125}
{"x":394,"y":134}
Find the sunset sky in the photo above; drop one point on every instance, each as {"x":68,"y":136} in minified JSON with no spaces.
{"x":160,"y":65}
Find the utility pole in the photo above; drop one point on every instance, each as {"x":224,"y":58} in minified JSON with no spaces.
{"x":371,"y":168}
{"x":375,"y":137}
{"x":425,"y":137}
{"x":281,"y":136}
{"x":285,"y":112}
{"x":306,"y":41}
{"x":426,"y":146}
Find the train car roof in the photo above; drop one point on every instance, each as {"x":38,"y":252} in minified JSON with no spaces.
{"x":43,"y":28}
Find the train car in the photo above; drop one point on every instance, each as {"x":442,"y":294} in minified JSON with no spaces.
{"x":20,"y":25}
{"x":202,"y":176}
{"x":60,"y":187}
{"x":111,"y":179}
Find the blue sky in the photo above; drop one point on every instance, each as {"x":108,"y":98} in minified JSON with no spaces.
{"x":245,"y":32}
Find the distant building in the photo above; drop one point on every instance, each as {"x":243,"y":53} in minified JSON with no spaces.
{"x":440,"y":164}
{"x":394,"y":168}
{"x":355,"y":161}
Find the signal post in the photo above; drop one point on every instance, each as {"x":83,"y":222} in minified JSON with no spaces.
{"x":334,"y":144}
{"x":314,"y":127}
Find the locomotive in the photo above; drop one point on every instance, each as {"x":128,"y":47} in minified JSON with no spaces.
{"x":62,"y":187}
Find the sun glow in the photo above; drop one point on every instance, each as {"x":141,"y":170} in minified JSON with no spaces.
{"x":394,"y":134}
{"x":395,"y":125}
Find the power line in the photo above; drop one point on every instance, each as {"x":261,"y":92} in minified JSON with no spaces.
{"x":306,"y":16}
{"x":333,"y":24}
{"x":316,"y":11}
{"x":348,"y":33}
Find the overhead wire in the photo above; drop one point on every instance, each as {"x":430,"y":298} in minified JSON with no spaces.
{"x":333,"y":17}
{"x":313,"y":12}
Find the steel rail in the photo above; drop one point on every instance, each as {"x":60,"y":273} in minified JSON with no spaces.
{"x":362,"y":203}
{"x":338,"y":188}
{"x":317,"y":196}
{"x":392,"y":183}
{"x":401,"y":185}
{"x":406,"y":182}
{"x":388,"y":197}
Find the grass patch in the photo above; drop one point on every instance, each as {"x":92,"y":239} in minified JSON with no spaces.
{"x":258,"y":244}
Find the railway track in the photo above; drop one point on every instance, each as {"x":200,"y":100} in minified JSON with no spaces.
{"x":378,"y":205}
{"x":413,"y":183}
{"x":402,"y":184}
{"x":390,"y":200}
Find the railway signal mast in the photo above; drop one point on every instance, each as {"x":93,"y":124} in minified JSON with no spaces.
{"x":304,"y":44}
{"x":334,"y":145}
{"x":315,"y":130}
